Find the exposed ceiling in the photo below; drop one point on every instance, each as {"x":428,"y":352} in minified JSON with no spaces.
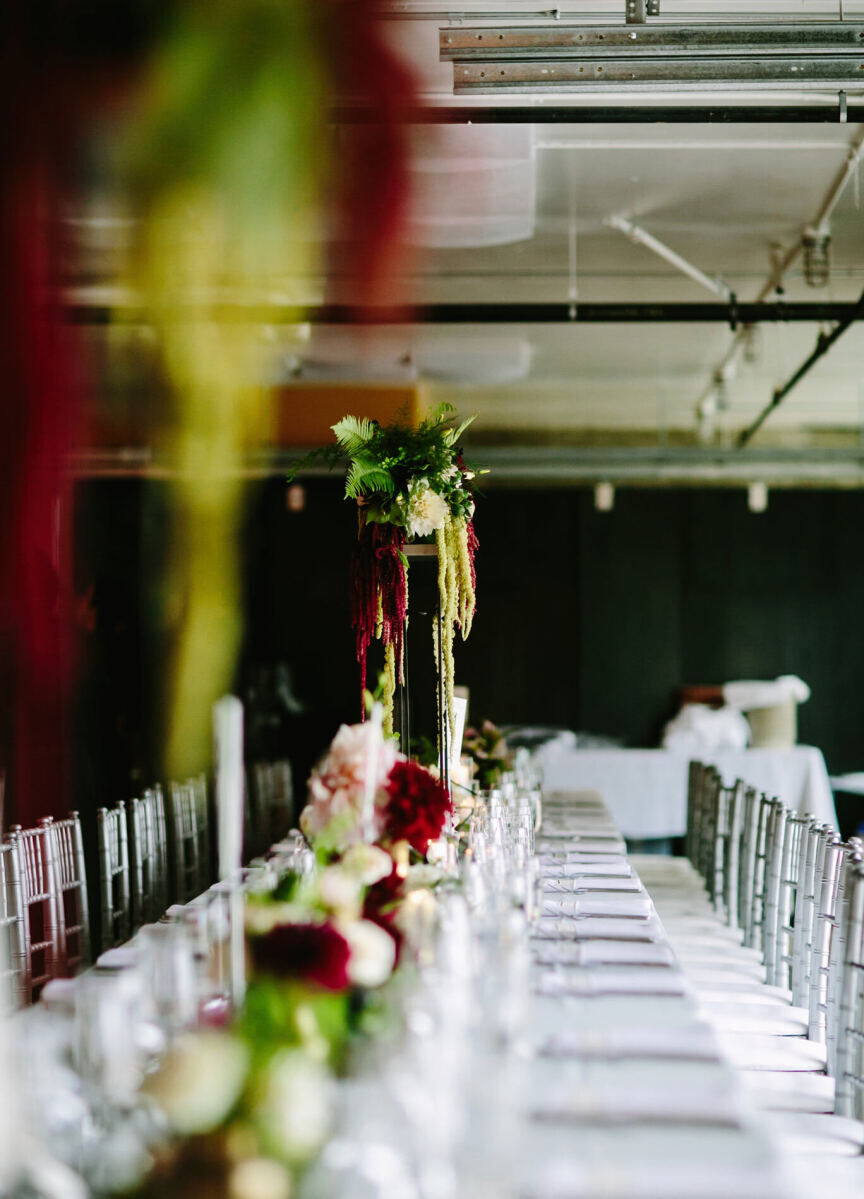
{"x":730,"y":199}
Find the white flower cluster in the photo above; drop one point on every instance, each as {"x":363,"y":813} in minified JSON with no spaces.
{"x":427,"y":510}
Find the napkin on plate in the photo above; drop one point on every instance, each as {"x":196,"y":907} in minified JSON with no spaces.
{"x":602,"y":928}
{"x":598,"y":904}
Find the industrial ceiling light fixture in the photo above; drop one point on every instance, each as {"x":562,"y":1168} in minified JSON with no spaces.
{"x":558,"y":58}
{"x":817,"y":257}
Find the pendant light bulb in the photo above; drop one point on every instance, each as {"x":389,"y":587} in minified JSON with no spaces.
{"x":757,"y":497}
{"x":604,"y":497}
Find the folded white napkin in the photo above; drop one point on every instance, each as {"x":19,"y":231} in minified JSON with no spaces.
{"x":600,"y":928}
{"x":574,"y":857}
{"x":590,"y":882}
{"x":597,"y":904}
{"x":598,"y":953}
{"x":601,"y":842}
{"x":556,"y":868}
{"x":611,"y":980}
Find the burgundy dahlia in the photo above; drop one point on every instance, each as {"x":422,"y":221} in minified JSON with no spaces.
{"x":417,"y":806}
{"x":312,"y":953}
{"x":382,"y":903}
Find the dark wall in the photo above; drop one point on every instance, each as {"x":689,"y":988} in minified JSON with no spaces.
{"x":586,"y":620}
{"x":610,"y":612}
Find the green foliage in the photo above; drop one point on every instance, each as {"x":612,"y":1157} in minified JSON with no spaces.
{"x":453,"y":435}
{"x":354,"y":433}
{"x":328,"y":455}
{"x":366,"y":476}
{"x":278,"y":1014}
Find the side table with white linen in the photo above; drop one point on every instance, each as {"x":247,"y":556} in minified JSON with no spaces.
{"x":645,"y":790}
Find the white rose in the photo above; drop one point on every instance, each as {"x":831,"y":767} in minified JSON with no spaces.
{"x":296,"y":1103}
{"x":373,"y":953}
{"x":368,"y":863}
{"x":199,"y":1081}
{"x":262,"y":918}
{"x":423,"y":875}
{"x":340,"y":890}
{"x":437,"y":852}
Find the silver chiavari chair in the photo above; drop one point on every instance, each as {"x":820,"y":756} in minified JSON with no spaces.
{"x":15,"y":975}
{"x":68,"y":856}
{"x":837,"y":972}
{"x":849,"y":1095}
{"x":825,"y":947}
{"x":202,"y":819}
{"x":44,"y":941}
{"x":809,"y":871}
{"x":787,"y":905}
{"x":114,"y":882}
{"x":691,"y":835}
{"x":734,"y":818}
{"x":142,"y":863}
{"x":747,"y":863}
{"x":154,"y":799}
{"x":775,"y":838}
{"x":184,"y":842}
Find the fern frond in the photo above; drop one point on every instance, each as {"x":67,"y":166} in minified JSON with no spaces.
{"x":353,"y":433}
{"x":453,"y":435}
{"x":365,"y":476}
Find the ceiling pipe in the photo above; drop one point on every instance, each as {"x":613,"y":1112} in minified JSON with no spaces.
{"x":790,"y":256}
{"x":642,"y":237}
{"x":823,"y":344}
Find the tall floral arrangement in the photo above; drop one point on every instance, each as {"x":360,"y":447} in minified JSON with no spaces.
{"x":409,"y":483}
{"x":247,"y":1108}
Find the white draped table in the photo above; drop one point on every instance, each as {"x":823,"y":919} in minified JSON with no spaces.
{"x":628,"y":1095}
{"x":646,"y":789}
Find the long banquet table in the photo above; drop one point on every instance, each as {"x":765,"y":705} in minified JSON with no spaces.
{"x":629,"y":1095}
{"x":623,"y":1090}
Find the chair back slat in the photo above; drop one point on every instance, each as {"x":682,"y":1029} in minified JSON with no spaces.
{"x":15,"y":974}
{"x":142,"y":868}
{"x":202,"y":817}
{"x":184,"y":842}
{"x":114,"y":875}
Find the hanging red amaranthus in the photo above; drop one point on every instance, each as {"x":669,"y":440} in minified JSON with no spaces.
{"x":473,"y":545}
{"x":379,"y":595}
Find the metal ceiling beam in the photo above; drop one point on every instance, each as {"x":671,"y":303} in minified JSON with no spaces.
{"x":638,"y":110}
{"x":520,"y":465}
{"x":593,"y":73}
{"x":731,"y":313}
{"x":574,"y":42}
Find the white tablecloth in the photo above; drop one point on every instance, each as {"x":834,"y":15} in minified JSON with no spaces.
{"x":646,"y":789}
{"x":628,"y":1093}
